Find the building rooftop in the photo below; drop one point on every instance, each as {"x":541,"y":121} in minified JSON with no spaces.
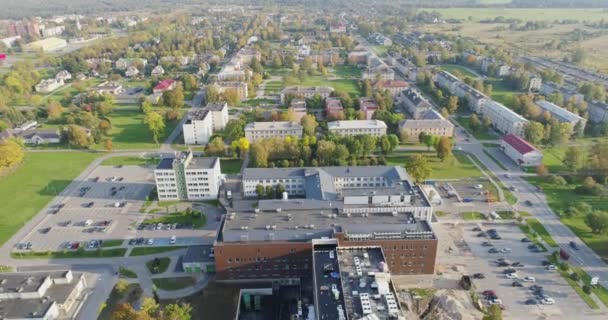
{"x":522,"y":146}
{"x":165,"y":84}
{"x":448,"y":76}
{"x":272,"y":125}
{"x":216,"y":106}
{"x":476,"y":94}
{"x":198,"y":254}
{"x":356,"y":124}
{"x":414,"y":96}
{"x":197,"y":114}
{"x":431,"y":114}
{"x":560,"y":113}
{"x":442,"y":123}
{"x":333,"y":103}
{"x":190,"y":161}
{"x":506,"y":112}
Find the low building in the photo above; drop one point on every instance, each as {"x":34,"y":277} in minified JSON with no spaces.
{"x":357,"y":127}
{"x":158,"y":71}
{"x":561,"y":114}
{"x":63,"y":75}
{"x":131,"y":72}
{"x":281,"y":129}
{"x":165,"y":85}
{"x":358,"y":57}
{"x":186,"y":177}
{"x":40,"y":136}
{"x":201,"y":123}
{"x":245,"y":55}
{"x":434,"y":125}
{"x":49,"y":85}
{"x":298,"y":107}
{"x":111,"y":87}
{"x":521,"y":151}
{"x":199,"y":259}
{"x":305,"y":92}
{"x":42,"y":295}
{"x":376,"y":68}
{"x":395,"y":87}
{"x":240,"y":88}
{"x":413,"y":102}
{"x":330,"y":56}
{"x":368,"y":106}
{"x":504,"y":119}
{"x":333,"y":108}
{"x":46,"y":45}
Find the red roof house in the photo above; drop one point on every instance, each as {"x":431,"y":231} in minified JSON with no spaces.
{"x":165,"y":85}
{"x":521,"y":151}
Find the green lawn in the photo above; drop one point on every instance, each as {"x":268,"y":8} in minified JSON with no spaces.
{"x":257,"y":102}
{"x":160,"y":267}
{"x":129,"y":161}
{"x":346,"y":71}
{"x":273,"y":87}
{"x":40,"y":178}
{"x":473,"y":216}
{"x":231,"y":166}
{"x":172,"y":284}
{"x":542,"y":232}
{"x":112,"y":243}
{"x":276,"y":71}
{"x":347,"y":85}
{"x":180,"y":217}
{"x":456,"y":167}
{"x":106,"y":253}
{"x":130,"y":132}
{"x":527,"y":231}
{"x":381,"y":50}
{"x":143,"y":251}
{"x":451,"y":68}
{"x":127,"y":273}
{"x":481,"y":134}
{"x":501,"y":92}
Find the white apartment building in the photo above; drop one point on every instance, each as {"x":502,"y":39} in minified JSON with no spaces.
{"x":201,"y":124}
{"x":185,"y":177}
{"x":282,"y":129}
{"x":305,"y":92}
{"x":474,"y":97}
{"x":504,"y":119}
{"x":357,"y":127}
{"x":447,"y":81}
{"x":561,"y":114}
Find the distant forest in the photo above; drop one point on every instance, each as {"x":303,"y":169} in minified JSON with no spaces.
{"x":11,"y":9}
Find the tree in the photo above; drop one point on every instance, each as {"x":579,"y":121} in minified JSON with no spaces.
{"x":244,"y":146}
{"x":574,"y":158}
{"x":309,"y":122}
{"x":534,"y":132}
{"x":121,"y":286}
{"x":597,"y":221}
{"x":212,"y":94}
{"x":156,"y":124}
{"x":190,"y":82}
{"x":231,"y":96}
{"x":177,"y":312}
{"x":11,"y":153}
{"x":235,"y":129}
{"x":149,"y":306}
{"x":541,"y":170}
{"x":78,"y":137}
{"x":146,"y":106}
{"x":124,"y":311}
{"x":259,"y":190}
{"x":444,"y":148}
{"x":385,"y":144}
{"x":418,"y":167}
{"x":452,"y":104}
{"x":429,"y":140}
{"x":475,"y":123}
{"x":108,"y":145}
{"x":259,"y":155}
{"x":216,"y":147}
{"x":325,"y":152}
{"x":494,"y":313}
{"x":174,"y":99}
{"x":54,"y":111}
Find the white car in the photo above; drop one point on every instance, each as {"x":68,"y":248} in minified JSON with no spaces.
{"x":551,"y":267}
{"x":150,"y":241}
{"x":495,"y":301}
{"x":479,"y":186}
{"x":172,"y":240}
{"x":529,"y":279}
{"x":512,"y":276}
{"x":548,"y":301}
{"x":506,"y":250}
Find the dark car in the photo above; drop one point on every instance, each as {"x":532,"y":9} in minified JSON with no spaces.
{"x":487,"y":244}
{"x":573,"y":245}
{"x":536,"y":287}
{"x":545,"y":263}
{"x":479,"y":276}
{"x":481,"y":234}
{"x":532,"y":246}
{"x":493,"y":250}
{"x":477,"y":229}
{"x":510,"y":270}
{"x":528,"y":203}
{"x":531,"y":302}
{"x":89,"y":204}
{"x":496,"y":237}
{"x":516,"y":284}
{"x":503,"y":264}
{"x":515,"y":264}
{"x":45,"y":230}
{"x":525,"y":240}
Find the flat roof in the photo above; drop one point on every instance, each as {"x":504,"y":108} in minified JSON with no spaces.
{"x":195,"y":162}
{"x":328,"y":284}
{"x":356,"y":124}
{"x":272,"y":125}
{"x":198,"y":254}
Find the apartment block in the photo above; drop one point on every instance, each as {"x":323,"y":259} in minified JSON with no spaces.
{"x":434,"y":124}
{"x":561,"y":114}
{"x":305,"y":92}
{"x":200,"y":124}
{"x":186,"y":177}
{"x":357,"y":127}
{"x":504,"y":119}
{"x":414,"y":103}
{"x":282,"y":129}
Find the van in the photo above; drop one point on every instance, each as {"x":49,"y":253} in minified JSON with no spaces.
{"x":172,"y":240}
{"x":228,"y":194}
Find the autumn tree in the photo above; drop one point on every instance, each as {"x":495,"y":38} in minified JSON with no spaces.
{"x":108,"y":145}
{"x":444,"y":148}
{"x":418,"y":167}
{"x":11,"y":153}
{"x":452,"y":104}
{"x":475,"y":123}
{"x":174,"y":99}
{"x":156,"y":124}
{"x":309,"y":122}
{"x":574,"y":158}
{"x":78,"y":137}
{"x":54,"y":111}
{"x":216,"y":147}
{"x":231,"y":96}
{"x":534,"y":132}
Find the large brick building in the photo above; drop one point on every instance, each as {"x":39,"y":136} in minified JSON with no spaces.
{"x":347,"y":207}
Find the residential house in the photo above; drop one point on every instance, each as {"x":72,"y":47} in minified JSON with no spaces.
{"x":63,"y":75}
{"x":357,"y":127}
{"x":165,"y":85}
{"x":40,"y":136}
{"x":368,"y":106}
{"x":125,"y":63}
{"x":414,"y":102}
{"x":447,"y":81}
{"x":131,"y":72}
{"x":358,"y":57}
{"x":333,"y":108}
{"x":158,"y":71}
{"x":111,"y":87}
{"x":504,"y":119}
{"x":474,"y":97}
{"x":48,"y":85}
{"x":521,"y":151}
{"x":561,"y":114}
{"x":282,"y":129}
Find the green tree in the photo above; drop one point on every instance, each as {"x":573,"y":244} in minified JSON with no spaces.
{"x":444,"y":148}
{"x":597,"y":221}
{"x":325,"y":152}
{"x":150,"y":307}
{"x":174,"y":99}
{"x":280,"y":188}
{"x":574,"y":158}
{"x":534,"y":132}
{"x":309,"y":122}
{"x":121,"y":286}
{"x":475,"y":123}
{"x":452,"y":104}
{"x":259,"y":155}
{"x":156,"y":124}
{"x":78,"y":137}
{"x":216,"y":147}
{"x":494,"y":313}
{"x":175,"y":311}
{"x":235,"y":129}
{"x":418,"y":167}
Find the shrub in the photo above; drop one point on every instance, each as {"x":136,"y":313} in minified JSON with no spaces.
{"x":574,"y":276}
{"x":587,"y":289}
{"x":556,"y":180}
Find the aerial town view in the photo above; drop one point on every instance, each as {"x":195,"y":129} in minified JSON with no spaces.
{"x":303,"y":159}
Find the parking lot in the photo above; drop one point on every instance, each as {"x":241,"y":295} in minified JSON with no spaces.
{"x":106,"y":206}
{"x":468,"y":190}
{"x":567,"y":303}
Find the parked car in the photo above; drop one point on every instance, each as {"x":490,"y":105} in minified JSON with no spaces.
{"x":493,"y":250}
{"x":536,"y":287}
{"x":545,"y":263}
{"x":525,"y":240}
{"x":528,"y":203}
{"x":489,"y":293}
{"x":510,"y":270}
{"x":477,"y":229}
{"x":172,"y":240}
{"x":516,"y":284}
{"x":529,"y":279}
{"x":512,"y":276}
{"x":479,"y":276}
{"x":487,"y":244}
{"x":573,"y":245}
{"x":495,"y":301}
{"x":150,"y":241}
{"x":478,"y":186}
{"x":531,"y":302}
{"x":506,"y":250}
{"x":547,"y":301}
{"x":551,"y":267}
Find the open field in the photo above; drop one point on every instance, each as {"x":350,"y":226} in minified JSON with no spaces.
{"x":129,"y":161}
{"x":346,"y":71}
{"x":41,"y":177}
{"x":180,"y":217}
{"x":348,"y":85}
{"x":143,"y":251}
{"x":532,"y":14}
{"x":501,"y":92}
{"x":454,"y":168}
{"x":130,"y":132}
{"x":105,"y":253}
{"x":231,"y":166}
{"x":451,"y":68}
{"x":160,"y":267}
{"x":172,"y":284}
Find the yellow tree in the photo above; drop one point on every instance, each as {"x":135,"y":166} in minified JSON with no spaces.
{"x":108,"y":145}
{"x":11,"y":153}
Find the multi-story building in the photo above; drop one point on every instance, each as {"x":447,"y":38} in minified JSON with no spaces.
{"x":504,"y":119}
{"x":298,"y":107}
{"x":63,"y":75}
{"x":562,"y":114}
{"x":376,"y":68}
{"x":407,"y":69}
{"x":357,"y":127}
{"x":393,"y":86}
{"x":42,"y":295}
{"x":413,"y":102}
{"x":186,"y":177}
{"x":245,"y":55}
{"x":333,"y":107}
{"x":598,"y":111}
{"x":23,"y":28}
{"x":329,"y":56}
{"x":338,"y":206}
{"x":535,"y":83}
{"x":201,"y":124}
{"x":48,"y":85}
{"x":474,"y":97}
{"x":433,"y":123}
{"x":240,"y":88}
{"x":521,"y":151}
{"x":368,"y":106}
{"x":282,"y":129}
{"x":305,"y":92}
{"x":447,"y":81}
{"x":52,"y":31}
{"x":549,"y":88}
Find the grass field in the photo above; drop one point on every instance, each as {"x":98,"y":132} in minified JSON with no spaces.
{"x":161,"y":267}
{"x":256,"y":102}
{"x":231,"y":166}
{"x":276,"y":71}
{"x":381,"y":50}
{"x":197,"y":222}
{"x":473,"y":216}
{"x":501,"y":92}
{"x":542,"y":232}
{"x":38,"y":180}
{"x":129,"y":161}
{"x":346,"y":71}
{"x":143,"y":251}
{"x":456,"y":167}
{"x":528,"y":14}
{"x":126,"y":273}
{"x":172,"y":284}
{"x":106,"y":253}
{"x":130,"y":132}
{"x":452,"y":68}
{"x":112,"y":243}
{"x":273,"y":87}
